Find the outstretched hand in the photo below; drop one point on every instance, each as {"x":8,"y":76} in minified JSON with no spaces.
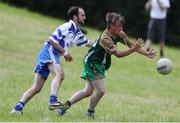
{"x":151,"y":53}
{"x":138,"y":44}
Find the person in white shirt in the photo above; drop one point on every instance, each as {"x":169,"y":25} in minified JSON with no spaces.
{"x":157,"y":22}
{"x":64,"y":37}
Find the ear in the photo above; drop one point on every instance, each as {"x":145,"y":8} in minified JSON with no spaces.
{"x":75,"y":17}
{"x":112,"y":25}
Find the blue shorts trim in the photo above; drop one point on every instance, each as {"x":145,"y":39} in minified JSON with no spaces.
{"x":43,"y":70}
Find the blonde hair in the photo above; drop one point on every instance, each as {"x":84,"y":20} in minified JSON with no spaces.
{"x":112,"y":17}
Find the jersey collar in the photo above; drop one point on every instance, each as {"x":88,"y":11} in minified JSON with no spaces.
{"x":71,"y":21}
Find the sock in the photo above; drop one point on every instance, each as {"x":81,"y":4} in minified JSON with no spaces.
{"x":148,"y":49}
{"x":53,"y":99}
{"x":90,"y":111}
{"x":161,"y":53}
{"x":68,"y":103}
{"x":19,"y":106}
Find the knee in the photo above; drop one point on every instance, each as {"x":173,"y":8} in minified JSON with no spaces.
{"x":35,"y":90}
{"x":88,"y":93}
{"x":101,"y":92}
{"x":60,"y":76}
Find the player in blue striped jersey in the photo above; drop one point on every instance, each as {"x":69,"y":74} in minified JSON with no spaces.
{"x":64,"y":37}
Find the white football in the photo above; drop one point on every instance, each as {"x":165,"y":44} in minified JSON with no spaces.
{"x":164,"y":66}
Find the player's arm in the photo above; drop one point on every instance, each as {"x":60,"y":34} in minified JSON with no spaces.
{"x":57,"y":46}
{"x":148,"y":5}
{"x":125,"y":39}
{"x":137,"y":45}
{"x":89,"y":44}
{"x":130,"y":44}
{"x":61,"y":50}
{"x":150,"y":54}
{"x":162,"y":7}
{"x":108,"y":45}
{"x":82,"y":41}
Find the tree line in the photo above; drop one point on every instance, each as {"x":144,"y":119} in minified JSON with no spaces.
{"x":133,"y":10}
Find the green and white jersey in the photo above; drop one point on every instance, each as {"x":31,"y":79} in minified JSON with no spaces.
{"x":101,"y":52}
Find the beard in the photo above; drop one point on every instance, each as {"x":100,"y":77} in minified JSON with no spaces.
{"x":81,"y":22}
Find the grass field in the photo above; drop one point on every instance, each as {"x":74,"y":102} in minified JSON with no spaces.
{"x":134,"y":89}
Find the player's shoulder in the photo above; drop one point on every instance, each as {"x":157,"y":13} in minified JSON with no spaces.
{"x":66,"y":25}
{"x":106,"y":35}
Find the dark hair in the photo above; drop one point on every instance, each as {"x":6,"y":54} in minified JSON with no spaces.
{"x":112,"y":17}
{"x":74,"y":10}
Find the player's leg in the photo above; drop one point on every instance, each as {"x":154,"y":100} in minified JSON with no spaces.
{"x":39,"y":81}
{"x":148,"y":44}
{"x":86,"y":92}
{"x":161,"y":28}
{"x":150,"y":34}
{"x":100,"y":90}
{"x":79,"y":95}
{"x":161,"y":44}
{"x":58,"y":76}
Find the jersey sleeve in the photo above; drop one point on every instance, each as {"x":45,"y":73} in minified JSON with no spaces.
{"x":59,"y":33}
{"x":165,"y":3}
{"x":81,"y":40}
{"x":107,"y":44}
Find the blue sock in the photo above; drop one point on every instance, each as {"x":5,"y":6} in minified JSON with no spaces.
{"x":53,"y":99}
{"x":19,"y":106}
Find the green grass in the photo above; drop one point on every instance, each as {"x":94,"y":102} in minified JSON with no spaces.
{"x":134,"y":89}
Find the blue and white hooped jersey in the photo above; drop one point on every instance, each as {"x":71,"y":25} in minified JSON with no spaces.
{"x":68,"y":35}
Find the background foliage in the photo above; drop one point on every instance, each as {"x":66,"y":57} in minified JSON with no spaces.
{"x":136,"y":16}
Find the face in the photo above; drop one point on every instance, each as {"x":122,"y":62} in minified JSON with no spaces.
{"x":116,"y":28}
{"x":81,"y":16}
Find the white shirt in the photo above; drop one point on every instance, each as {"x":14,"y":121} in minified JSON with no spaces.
{"x":156,"y":12}
{"x":68,"y":35}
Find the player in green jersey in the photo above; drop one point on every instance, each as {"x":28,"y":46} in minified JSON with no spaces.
{"x":98,"y":60}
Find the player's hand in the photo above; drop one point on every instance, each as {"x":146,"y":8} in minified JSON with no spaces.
{"x":138,"y":44}
{"x":151,"y":53}
{"x":68,"y":57}
{"x":90,"y":44}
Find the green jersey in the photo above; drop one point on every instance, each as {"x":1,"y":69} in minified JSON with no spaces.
{"x":101,"y":52}
{"x":98,"y":58}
